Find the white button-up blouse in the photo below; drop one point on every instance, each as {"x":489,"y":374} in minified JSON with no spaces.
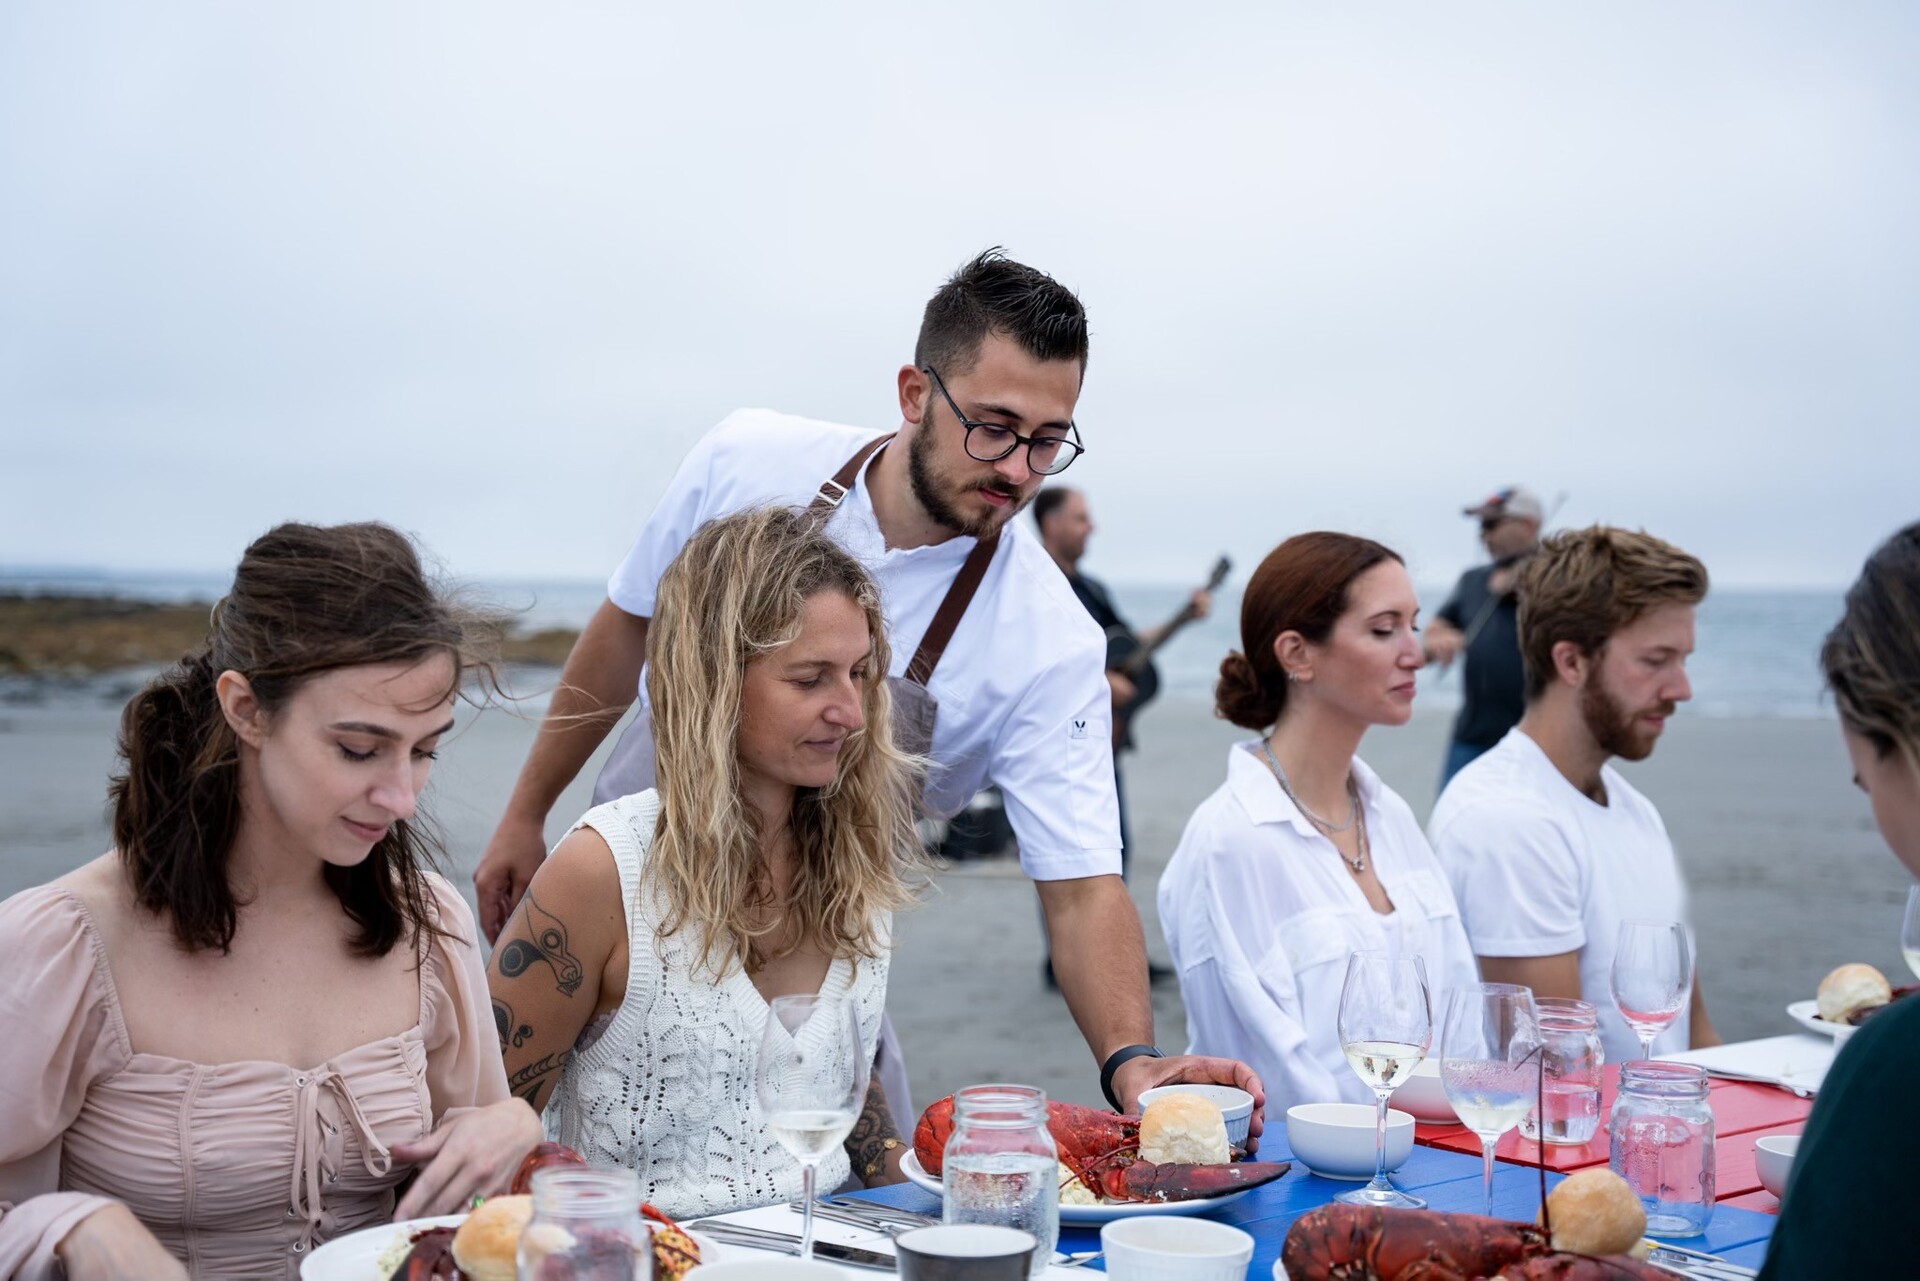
{"x":1261,"y":914}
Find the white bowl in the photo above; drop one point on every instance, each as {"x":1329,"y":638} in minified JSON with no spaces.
{"x":1335,"y":1140}
{"x":1423,"y":1095}
{"x":1183,"y":1249}
{"x":1773,"y":1161}
{"x":1235,"y":1105}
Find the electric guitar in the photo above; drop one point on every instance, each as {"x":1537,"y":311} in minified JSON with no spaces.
{"x":1127,"y":655}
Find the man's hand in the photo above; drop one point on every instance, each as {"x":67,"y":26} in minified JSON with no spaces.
{"x":1136,"y":1076}
{"x":1123,"y":690}
{"x":110,"y":1244}
{"x":514,"y":854}
{"x":1200,"y":604}
{"x":1444,"y":642}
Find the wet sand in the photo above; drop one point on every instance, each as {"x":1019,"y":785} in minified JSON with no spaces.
{"x":1787,"y":874}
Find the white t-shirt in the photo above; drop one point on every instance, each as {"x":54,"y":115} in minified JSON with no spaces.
{"x":1539,"y":868}
{"x":1022,"y":690}
{"x":1261,"y":915}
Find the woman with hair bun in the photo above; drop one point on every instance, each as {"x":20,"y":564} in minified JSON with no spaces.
{"x":234,"y":1036}
{"x":1850,"y":1190}
{"x":1303,"y":856}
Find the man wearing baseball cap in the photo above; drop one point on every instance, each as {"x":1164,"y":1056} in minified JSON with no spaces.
{"x":1481,"y":619}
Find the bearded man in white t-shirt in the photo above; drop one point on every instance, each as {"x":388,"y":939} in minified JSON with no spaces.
{"x":1549,"y":849}
{"x":1022,"y":699}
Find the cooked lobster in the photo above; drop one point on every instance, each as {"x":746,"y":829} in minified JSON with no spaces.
{"x":1341,"y":1242}
{"x":1102,"y":1149}
{"x":542,"y":1156}
{"x":430,"y":1258}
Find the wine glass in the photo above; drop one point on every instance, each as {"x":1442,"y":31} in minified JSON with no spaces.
{"x":1385,"y":1027}
{"x":812,"y":1080}
{"x":1910,"y":932}
{"x":1652,"y":977}
{"x":1488,"y":1039}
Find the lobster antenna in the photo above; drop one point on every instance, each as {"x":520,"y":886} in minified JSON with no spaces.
{"x":1540,"y":1102}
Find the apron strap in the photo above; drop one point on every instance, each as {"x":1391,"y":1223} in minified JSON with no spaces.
{"x":959,"y":595}
{"x":835,"y":487}
{"x":952,"y":607}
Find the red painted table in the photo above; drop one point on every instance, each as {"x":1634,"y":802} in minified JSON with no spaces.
{"x":1742,"y":1114}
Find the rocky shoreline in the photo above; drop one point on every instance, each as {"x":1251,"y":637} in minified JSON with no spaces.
{"x":66,"y":639}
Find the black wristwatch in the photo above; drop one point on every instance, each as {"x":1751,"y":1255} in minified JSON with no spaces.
{"x":1112,"y":1065}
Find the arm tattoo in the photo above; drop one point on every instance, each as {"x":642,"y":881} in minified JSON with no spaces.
{"x":511,"y":1036}
{"x":531,"y":1080}
{"x":866,"y":1147}
{"x":546,"y":941}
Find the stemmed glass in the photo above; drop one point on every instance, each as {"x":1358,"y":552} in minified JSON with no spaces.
{"x":1910,"y":932}
{"x":1487,"y":1041}
{"x":812,"y":1080}
{"x":1386,"y":1024}
{"x":1652,"y":977}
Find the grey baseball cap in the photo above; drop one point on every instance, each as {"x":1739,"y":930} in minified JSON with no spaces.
{"x":1516,"y":501}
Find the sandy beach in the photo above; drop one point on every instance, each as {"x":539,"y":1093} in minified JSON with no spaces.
{"x":1788,"y":876}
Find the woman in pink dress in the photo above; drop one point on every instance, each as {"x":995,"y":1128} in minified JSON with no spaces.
{"x":234,"y":1036}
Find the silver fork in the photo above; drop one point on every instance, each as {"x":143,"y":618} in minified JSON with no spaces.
{"x":875,"y":1210}
{"x":851,"y":1218}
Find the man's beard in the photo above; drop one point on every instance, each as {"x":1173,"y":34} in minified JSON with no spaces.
{"x":1612,"y":726}
{"x":935,"y":495}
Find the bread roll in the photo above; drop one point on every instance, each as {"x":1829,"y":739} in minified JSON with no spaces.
{"x":1595,"y":1212}
{"x":1184,"y":1127}
{"x":1852,"y":988}
{"x":487,"y":1245}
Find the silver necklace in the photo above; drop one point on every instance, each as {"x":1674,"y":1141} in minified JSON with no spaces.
{"x":1359,"y":862}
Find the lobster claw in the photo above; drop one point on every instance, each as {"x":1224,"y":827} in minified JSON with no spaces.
{"x":1173,"y":1181}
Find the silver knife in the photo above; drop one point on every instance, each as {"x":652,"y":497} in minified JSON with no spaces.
{"x":786,"y":1243}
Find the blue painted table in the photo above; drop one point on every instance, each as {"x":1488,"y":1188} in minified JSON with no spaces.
{"x":1448,"y":1180}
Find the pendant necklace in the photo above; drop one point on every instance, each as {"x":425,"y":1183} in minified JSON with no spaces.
{"x":1358,"y":863}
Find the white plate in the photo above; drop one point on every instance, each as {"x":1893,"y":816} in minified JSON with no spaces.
{"x":1807,"y":1015}
{"x":354,"y":1256}
{"x":1089,"y":1215}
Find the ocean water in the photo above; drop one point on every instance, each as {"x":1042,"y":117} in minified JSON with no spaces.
{"x":1756,"y":651}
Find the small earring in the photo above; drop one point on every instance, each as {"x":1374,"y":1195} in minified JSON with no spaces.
{"x":1293,"y":676}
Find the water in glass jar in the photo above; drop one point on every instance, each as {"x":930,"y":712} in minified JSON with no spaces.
{"x":1573,"y":1113}
{"x":1664,"y":1160}
{"x":1012,"y":1189}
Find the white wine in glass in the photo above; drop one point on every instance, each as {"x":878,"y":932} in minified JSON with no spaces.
{"x":1489,"y":1066}
{"x":1386,"y":1024}
{"x":811,"y":1079}
{"x":1652,"y":977}
{"x":1910,"y":932}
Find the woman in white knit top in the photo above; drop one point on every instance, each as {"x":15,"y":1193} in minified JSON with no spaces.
{"x":633,"y":980}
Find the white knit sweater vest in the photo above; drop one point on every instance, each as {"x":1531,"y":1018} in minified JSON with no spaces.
{"x":667,"y":1088}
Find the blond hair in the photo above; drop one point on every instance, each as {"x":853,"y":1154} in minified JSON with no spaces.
{"x":735,"y":593}
{"x":1871,"y":658}
{"x":1584,"y":585}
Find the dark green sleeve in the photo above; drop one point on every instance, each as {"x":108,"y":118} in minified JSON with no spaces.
{"x":1851,"y":1208}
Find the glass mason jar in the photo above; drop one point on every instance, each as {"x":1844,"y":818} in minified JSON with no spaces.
{"x":1661,"y":1132}
{"x":1571,"y":1060}
{"x":586,"y":1226}
{"x":1001,"y":1166}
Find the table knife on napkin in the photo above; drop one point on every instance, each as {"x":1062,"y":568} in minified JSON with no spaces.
{"x":787,"y":1243}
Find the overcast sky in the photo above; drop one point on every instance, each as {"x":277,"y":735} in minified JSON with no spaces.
{"x":486,"y":270}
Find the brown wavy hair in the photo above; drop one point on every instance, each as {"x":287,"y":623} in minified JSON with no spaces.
{"x":735,"y":592}
{"x":1302,"y":586}
{"x":1871,"y":658}
{"x":1583,"y":585}
{"x":306,"y":599}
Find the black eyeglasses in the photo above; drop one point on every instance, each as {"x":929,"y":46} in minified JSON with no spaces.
{"x":990,"y":442}
{"x":1490,"y":523}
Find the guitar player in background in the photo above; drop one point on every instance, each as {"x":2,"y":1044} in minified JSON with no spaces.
{"x":1065,"y":525}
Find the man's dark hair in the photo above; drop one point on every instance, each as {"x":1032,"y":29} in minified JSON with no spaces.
{"x":995,"y":295}
{"x":1048,"y":501}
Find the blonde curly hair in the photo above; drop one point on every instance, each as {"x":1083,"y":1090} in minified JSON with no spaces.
{"x":734,"y":594}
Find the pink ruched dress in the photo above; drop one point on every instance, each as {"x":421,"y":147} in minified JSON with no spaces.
{"x":238,"y":1168}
